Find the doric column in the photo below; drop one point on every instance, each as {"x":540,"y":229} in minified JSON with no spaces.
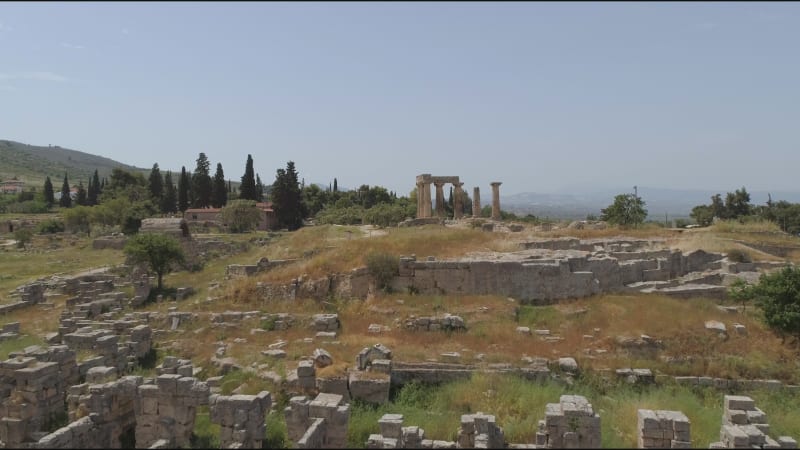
{"x":476,"y":202}
{"x":426,"y":205}
{"x":496,"y":200}
{"x":458,"y":201}
{"x":439,"y":199}
{"x":419,"y":200}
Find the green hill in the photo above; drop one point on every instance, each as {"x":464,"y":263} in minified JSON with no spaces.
{"x":32,"y":163}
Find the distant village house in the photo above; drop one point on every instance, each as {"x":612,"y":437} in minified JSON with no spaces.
{"x":12,"y":187}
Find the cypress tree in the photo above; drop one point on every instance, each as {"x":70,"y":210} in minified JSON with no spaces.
{"x":169,"y":199}
{"x":201,"y":183}
{"x":259,"y":196}
{"x":287,"y":198}
{"x":247,"y":191}
{"x":49,"y":196}
{"x":66,"y":200}
{"x":219,"y":194}
{"x":156,"y":184}
{"x":94,"y":193}
{"x":183,"y":190}
{"x":335,"y":185}
{"x":80,"y":198}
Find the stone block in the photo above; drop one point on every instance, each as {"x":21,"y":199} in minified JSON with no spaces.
{"x":305,"y":368}
{"x":739,"y":402}
{"x":736,"y":416}
{"x":733,"y":436}
{"x":786,"y":442}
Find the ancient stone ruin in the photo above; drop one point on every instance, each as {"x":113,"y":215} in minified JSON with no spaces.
{"x":318,"y":423}
{"x":745,"y":426}
{"x":663,"y":429}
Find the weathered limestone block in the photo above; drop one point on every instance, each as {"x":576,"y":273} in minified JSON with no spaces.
{"x":325,"y":322}
{"x":663,"y":429}
{"x":480,"y":431}
{"x":321,"y":423}
{"x":369,"y":354}
{"x":167,"y":408}
{"x":372,"y":387}
{"x":322,"y":358}
{"x":241,"y":418}
{"x":570,"y":423}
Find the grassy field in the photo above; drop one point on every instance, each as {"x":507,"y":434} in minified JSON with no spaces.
{"x":519,"y":404}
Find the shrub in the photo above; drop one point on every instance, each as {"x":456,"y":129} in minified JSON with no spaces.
{"x":50,"y":226}
{"x":383,"y":267}
{"x":738,"y":255}
{"x":23,"y":236}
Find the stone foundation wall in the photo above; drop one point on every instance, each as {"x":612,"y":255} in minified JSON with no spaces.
{"x":321,"y":423}
{"x":241,"y":418}
{"x":166,"y":409}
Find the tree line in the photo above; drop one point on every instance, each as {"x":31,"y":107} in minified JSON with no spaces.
{"x":737,"y":206}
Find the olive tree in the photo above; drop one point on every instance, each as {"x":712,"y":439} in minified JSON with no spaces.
{"x":159,"y":252}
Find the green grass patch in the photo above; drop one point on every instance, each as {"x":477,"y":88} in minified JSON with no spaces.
{"x":18,"y":344}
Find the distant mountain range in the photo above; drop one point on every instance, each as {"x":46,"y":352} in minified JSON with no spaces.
{"x":574,"y":204}
{"x":33,"y":163}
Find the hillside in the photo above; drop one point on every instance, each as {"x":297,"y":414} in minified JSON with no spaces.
{"x":32,"y":163}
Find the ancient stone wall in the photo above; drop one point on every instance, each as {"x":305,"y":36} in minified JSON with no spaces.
{"x":663,"y":429}
{"x":111,"y":406}
{"x":318,"y":423}
{"x":746,"y":426}
{"x":570,"y":423}
{"x":241,"y":418}
{"x":480,"y":430}
{"x":166,"y":409}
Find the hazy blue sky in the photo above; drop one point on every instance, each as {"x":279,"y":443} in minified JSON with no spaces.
{"x":539,"y":96}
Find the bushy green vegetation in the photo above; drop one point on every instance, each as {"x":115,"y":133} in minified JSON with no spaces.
{"x":382,"y":267}
{"x":778,"y":295}
{"x":628,"y":210}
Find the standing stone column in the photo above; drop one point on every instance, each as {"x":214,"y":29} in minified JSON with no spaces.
{"x":476,"y":202}
{"x":439,"y":199}
{"x":458,"y":201}
{"x":496,"y":200}
{"x":419,"y":201}
{"x":426,"y":205}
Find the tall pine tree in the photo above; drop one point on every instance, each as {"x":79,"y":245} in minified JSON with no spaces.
{"x":49,"y":195}
{"x":247,"y":191}
{"x":156,"y":184}
{"x":287,"y":199}
{"x":259,"y":197}
{"x":66,"y":200}
{"x":219,"y":193}
{"x":183,"y":190}
{"x":201,"y":183}
{"x":94,"y":189}
{"x":168,"y":201}
{"x":80,"y":198}
{"x":335,"y":185}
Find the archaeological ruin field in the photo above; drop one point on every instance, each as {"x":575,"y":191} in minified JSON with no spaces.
{"x":460,"y":334}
